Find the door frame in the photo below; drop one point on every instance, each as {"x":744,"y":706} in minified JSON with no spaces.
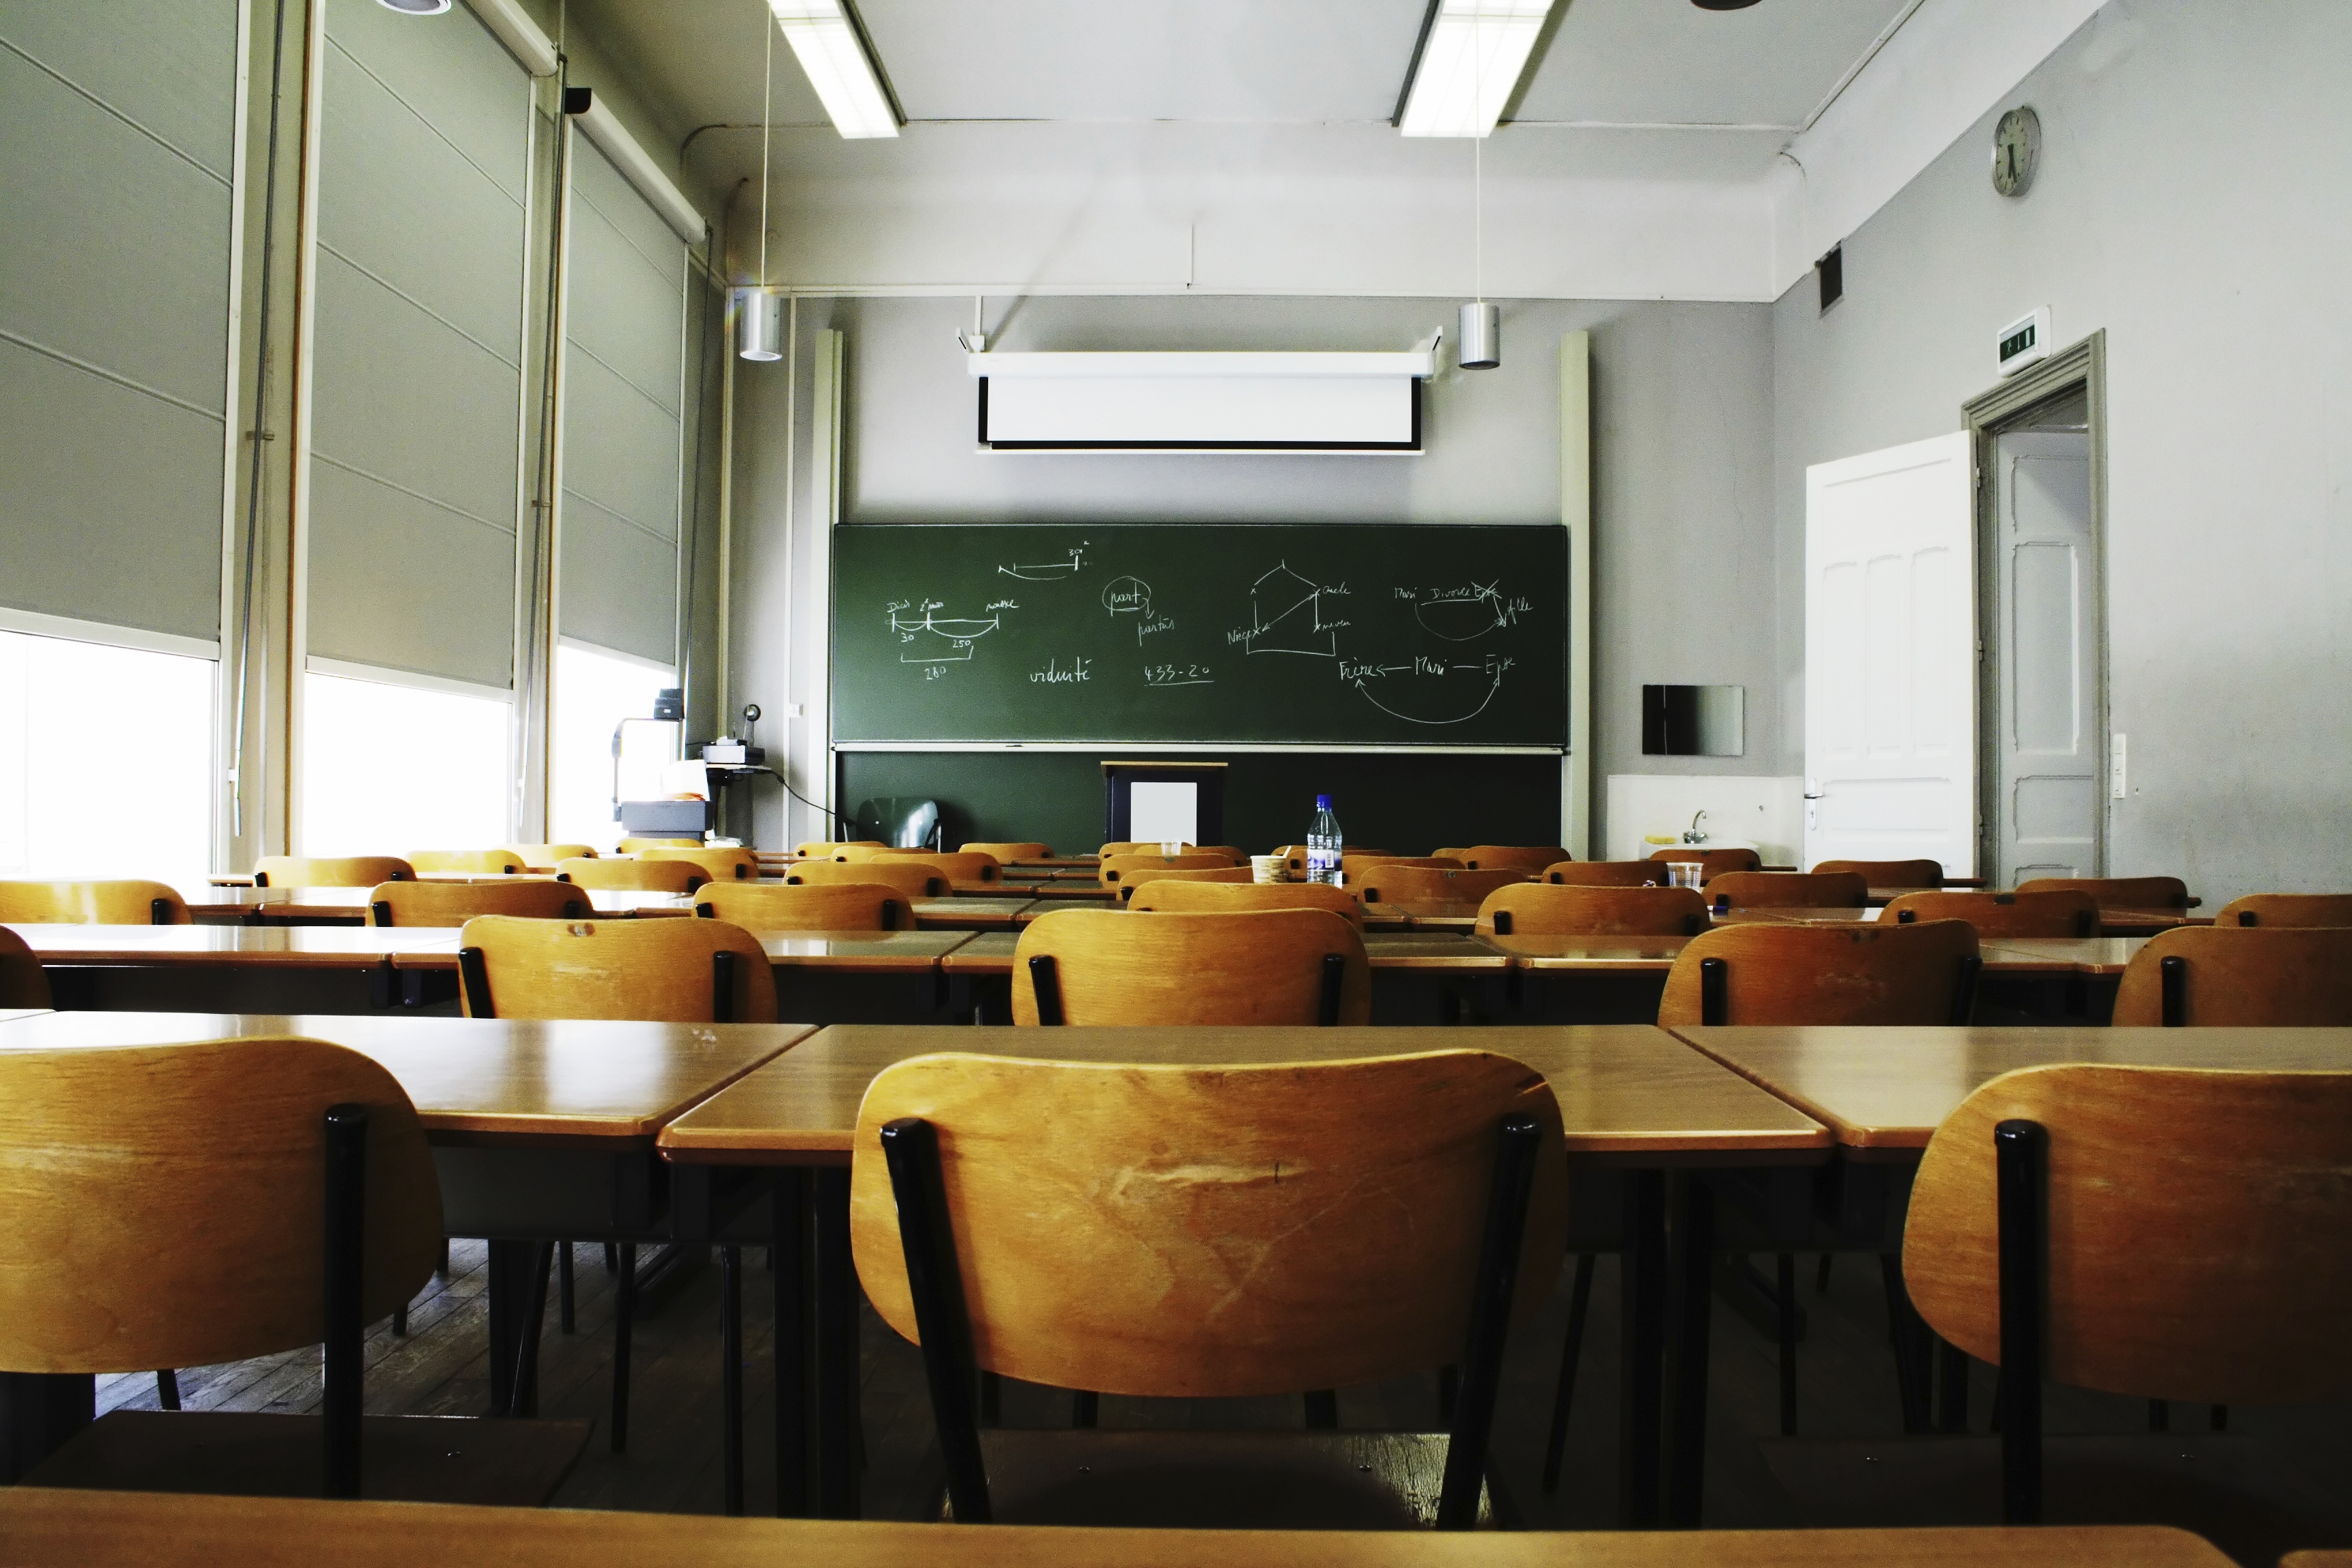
{"x":2082,"y":363}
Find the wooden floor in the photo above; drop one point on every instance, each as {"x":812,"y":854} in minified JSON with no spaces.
{"x":2293,"y":1458}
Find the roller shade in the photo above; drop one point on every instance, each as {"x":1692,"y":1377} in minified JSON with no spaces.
{"x":417,"y":364}
{"x":117,"y":127}
{"x":624,"y":362}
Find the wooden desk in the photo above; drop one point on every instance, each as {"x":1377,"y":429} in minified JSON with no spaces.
{"x":971,"y":914}
{"x":860,"y":951}
{"x":1793,"y":914}
{"x":239,"y":968}
{"x":1622,"y":955}
{"x":150,"y":1529}
{"x":2105,"y":956}
{"x":1633,"y":1102}
{"x":349,"y":906}
{"x":1067,"y":890}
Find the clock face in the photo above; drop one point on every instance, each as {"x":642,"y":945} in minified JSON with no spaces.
{"x":2016,"y":150}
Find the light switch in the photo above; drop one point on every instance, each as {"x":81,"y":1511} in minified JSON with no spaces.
{"x":2115,"y":790}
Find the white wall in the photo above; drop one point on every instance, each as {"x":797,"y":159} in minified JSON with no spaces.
{"x":2193,"y":203}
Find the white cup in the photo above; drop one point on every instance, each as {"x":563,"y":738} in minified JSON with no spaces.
{"x":1268,"y":868}
{"x":1686,"y":873}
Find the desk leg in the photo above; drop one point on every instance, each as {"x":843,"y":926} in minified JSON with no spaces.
{"x":836,"y":1350}
{"x":788,"y":1202}
{"x":1686,"y":1441}
{"x":38,"y":1410}
{"x":730,"y":1373}
{"x":518,"y":1279}
{"x":1643,"y":1310}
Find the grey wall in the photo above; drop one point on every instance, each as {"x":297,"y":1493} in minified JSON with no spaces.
{"x":2193,"y":203}
{"x":1682,"y":459}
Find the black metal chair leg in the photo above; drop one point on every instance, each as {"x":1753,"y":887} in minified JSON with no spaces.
{"x":624,"y":1308}
{"x":1822,"y":1275}
{"x":1323,"y":1409}
{"x":730,"y":1373}
{"x":1786,"y":1313}
{"x":399,"y":1327}
{"x":1580,"y":1300}
{"x":167,"y":1390}
{"x":2020,"y":1151}
{"x":1952,"y":1387}
{"x":2221,"y":1415}
{"x":2159,"y":1415}
{"x":991,"y":1399}
{"x":1467,"y":1438}
{"x":1085,"y":1408}
{"x":612,"y":1258}
{"x":563,"y":1315}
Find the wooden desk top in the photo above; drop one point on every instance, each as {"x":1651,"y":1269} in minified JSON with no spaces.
{"x":860,"y":950}
{"x":1634,"y":953}
{"x":1627,"y":1092}
{"x":352,"y":903}
{"x":988,"y":952}
{"x":2106,"y":955}
{"x":1424,"y":949}
{"x":482,"y":1079}
{"x":1890,"y":1088}
{"x":970,"y":915}
{"x":1798,"y":914}
{"x":409,"y":947}
{"x":158,"y":1529}
{"x":1058,"y":890}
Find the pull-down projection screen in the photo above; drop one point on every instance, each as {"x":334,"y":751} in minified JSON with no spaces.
{"x":1200,"y":402}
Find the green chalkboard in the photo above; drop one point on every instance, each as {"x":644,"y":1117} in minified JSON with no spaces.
{"x":1366,"y":633}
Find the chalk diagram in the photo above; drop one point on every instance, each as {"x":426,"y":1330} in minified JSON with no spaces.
{"x":1127,"y":596}
{"x":922,"y":633}
{"x":1286,"y":616}
{"x":1052,"y":571}
{"x":1466,"y":614}
{"x":1493,"y":669}
{"x":1290,"y":614}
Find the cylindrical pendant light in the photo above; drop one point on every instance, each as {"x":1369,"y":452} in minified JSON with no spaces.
{"x":759,"y":324}
{"x":1480,"y":343}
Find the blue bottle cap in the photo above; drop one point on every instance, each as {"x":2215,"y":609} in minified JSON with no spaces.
{"x":1322,"y":802}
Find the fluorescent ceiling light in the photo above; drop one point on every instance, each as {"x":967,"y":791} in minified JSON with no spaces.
{"x":1468,"y":65}
{"x":832,"y":49}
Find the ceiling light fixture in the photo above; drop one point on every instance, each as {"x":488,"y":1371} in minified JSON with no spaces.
{"x":839,"y":58}
{"x":1467,"y":65}
{"x":1723,"y":4}
{"x":759,"y":323}
{"x":416,"y":7}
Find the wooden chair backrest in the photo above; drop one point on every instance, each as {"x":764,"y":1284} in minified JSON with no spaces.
{"x":1548,"y":908}
{"x":455,"y":903}
{"x":834,"y":905}
{"x":953,"y":865}
{"x":1387,"y":882}
{"x":656,"y":970}
{"x":2119,"y":892}
{"x":852,"y":854}
{"x":1890,"y":873}
{"x":2061,"y":911}
{"x":331,"y":871}
{"x":1717,"y":861}
{"x":634,"y":846}
{"x":1788,"y":890}
{"x":825,"y":848}
{"x":1214,"y":892}
{"x":481,"y":862}
{"x":1005,"y":854}
{"x":1202,"y":1231}
{"x":2287,"y":910}
{"x":1144,"y":876}
{"x":1126,"y":846}
{"x":1260,"y":966}
{"x":1860,"y":973}
{"x":547,"y":857}
{"x":634,"y":876}
{"x":910,"y":879}
{"x":122,"y":902}
{"x":2236,"y":976}
{"x":2195,"y":1233}
{"x":23,"y":981}
{"x":1114,"y":869}
{"x":1535,"y":857}
{"x":719,"y":865}
{"x":167,"y":1204}
{"x":1357,"y":865}
{"x":1607,"y":873}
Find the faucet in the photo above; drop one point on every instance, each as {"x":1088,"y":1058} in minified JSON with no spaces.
{"x":1691,"y":834}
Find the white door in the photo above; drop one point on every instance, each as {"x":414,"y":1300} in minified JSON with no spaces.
{"x":1890,"y":656}
{"x":2047,"y":749}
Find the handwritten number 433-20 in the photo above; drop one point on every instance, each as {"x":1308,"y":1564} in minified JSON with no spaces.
{"x":1177,"y":675}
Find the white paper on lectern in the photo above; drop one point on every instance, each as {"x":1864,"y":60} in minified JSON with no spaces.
{"x":1163,"y":813}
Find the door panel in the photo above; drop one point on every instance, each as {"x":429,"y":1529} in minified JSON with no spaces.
{"x":1890,"y":645}
{"x":2047,"y":752}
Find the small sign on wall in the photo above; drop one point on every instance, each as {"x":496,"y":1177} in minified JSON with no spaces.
{"x":2023,"y":341}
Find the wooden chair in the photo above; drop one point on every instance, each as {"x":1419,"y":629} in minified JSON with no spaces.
{"x":480,"y":862}
{"x":23,"y":981}
{"x":1788,"y":890}
{"x":639,"y":845}
{"x":1114,"y":869}
{"x":854,"y":854}
{"x":954,"y":866}
{"x":110,"y":903}
{"x":345,"y":871}
{"x":547,"y":857}
{"x":1205,"y":892}
{"x":1144,"y":876}
{"x":634,"y":875}
{"x":455,"y":903}
{"x":910,"y":879}
{"x":665,"y":972}
{"x":1385,"y":881}
{"x":1889,"y":873}
{"x":2156,"y":1232}
{"x":1861,"y":973}
{"x":719,"y":865}
{"x":1546,"y":909}
{"x":1126,"y":846}
{"x":1606,"y":873}
{"x":1005,"y":854}
{"x":826,"y":850}
{"x":1717,"y":861}
{"x":1267,"y":966}
{"x":1277,"y":1228}
{"x":837,"y":906}
{"x":189,"y":1204}
{"x":2119,"y":892}
{"x":2277,"y":910}
{"x":1536,"y":857}
{"x":2060,"y":912}
{"x":2227,"y":976}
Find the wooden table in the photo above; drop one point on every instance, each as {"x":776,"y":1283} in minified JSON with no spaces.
{"x":152,"y":1530}
{"x":860,"y":951}
{"x":2103,"y":956}
{"x":539,"y":1129}
{"x":308,"y":969}
{"x":1634,"y":1103}
{"x":971,"y":914}
{"x":349,"y":906}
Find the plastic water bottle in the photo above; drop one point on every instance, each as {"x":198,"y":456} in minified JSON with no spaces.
{"x":1323,"y":844}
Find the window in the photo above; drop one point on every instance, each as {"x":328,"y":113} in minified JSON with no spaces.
{"x":105,"y":761}
{"x":595,"y":688}
{"x":388,"y":768}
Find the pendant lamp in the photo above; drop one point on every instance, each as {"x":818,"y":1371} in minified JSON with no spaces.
{"x":758,"y":313}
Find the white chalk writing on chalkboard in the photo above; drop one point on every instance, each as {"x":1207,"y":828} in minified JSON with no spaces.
{"x":1051,"y":572}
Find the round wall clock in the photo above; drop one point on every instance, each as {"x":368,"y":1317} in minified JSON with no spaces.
{"x":2016,"y":150}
